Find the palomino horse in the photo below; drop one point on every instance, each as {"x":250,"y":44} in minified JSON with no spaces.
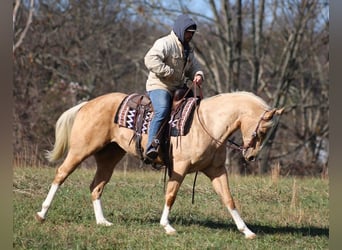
{"x":88,"y":129}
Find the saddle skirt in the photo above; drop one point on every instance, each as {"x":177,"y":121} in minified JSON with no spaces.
{"x":135,"y":112}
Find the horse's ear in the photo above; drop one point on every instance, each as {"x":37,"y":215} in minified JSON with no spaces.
{"x":269,"y":115}
{"x":279,"y":111}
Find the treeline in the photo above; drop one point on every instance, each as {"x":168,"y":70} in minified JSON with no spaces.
{"x":68,"y":51}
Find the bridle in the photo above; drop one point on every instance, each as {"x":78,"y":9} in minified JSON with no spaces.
{"x":233,"y":144}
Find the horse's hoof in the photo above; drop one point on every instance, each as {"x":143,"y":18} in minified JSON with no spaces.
{"x":250,"y":236}
{"x":170,"y":230}
{"x":39,"y":218}
{"x":105,"y":223}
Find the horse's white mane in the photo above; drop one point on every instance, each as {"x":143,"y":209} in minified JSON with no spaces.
{"x":254,"y":96}
{"x":246,"y":93}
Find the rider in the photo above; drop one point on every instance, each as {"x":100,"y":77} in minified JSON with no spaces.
{"x":169,"y":61}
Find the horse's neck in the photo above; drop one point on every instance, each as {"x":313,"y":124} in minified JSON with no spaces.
{"x":220,"y":118}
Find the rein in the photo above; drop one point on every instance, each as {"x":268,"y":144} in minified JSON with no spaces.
{"x":193,"y":85}
{"x":233,"y":144}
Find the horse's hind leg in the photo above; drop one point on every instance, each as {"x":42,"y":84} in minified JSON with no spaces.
{"x":106,"y":160}
{"x":219,"y":179}
{"x":68,"y":166}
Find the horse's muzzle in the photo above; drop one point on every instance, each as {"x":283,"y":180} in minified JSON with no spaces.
{"x":248,"y":154}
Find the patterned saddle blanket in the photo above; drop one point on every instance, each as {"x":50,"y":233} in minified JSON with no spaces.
{"x":136,"y":112}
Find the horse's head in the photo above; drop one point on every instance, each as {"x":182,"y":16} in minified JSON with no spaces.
{"x":255,"y":131}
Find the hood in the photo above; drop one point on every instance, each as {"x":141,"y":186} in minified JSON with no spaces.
{"x":181,"y":24}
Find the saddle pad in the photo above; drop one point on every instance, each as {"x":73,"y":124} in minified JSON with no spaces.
{"x":179,"y":123}
{"x":126,"y":116}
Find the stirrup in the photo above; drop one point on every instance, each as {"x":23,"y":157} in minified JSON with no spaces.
{"x":152,"y":154}
{"x":152,"y":151}
{"x":156,"y":166}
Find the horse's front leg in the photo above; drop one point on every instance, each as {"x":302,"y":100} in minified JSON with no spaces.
{"x":220,"y":183}
{"x":164,"y":220}
{"x":173,"y":185}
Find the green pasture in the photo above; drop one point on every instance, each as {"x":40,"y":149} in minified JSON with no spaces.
{"x":285,"y":213}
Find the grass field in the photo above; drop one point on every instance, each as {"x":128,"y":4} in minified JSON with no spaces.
{"x":285,"y":213}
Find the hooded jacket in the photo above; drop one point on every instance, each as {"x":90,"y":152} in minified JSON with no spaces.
{"x":166,"y":59}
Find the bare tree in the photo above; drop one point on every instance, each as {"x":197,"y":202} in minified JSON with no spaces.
{"x":257,"y":35}
{"x":21,"y":33}
{"x":291,"y":60}
{"x":72,"y":53}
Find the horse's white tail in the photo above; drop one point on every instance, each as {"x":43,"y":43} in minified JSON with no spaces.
{"x":62,"y":133}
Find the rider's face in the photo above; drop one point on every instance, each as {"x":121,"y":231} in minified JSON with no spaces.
{"x":188,"y":36}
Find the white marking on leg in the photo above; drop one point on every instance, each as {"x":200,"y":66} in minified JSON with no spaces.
{"x":241,"y":224}
{"x":164,"y":218}
{"x":100,"y":219}
{"x":164,"y":221}
{"x":47,"y":202}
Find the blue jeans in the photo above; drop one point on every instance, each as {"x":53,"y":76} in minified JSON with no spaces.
{"x":161,"y":102}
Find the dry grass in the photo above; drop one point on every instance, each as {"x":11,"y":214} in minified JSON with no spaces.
{"x":275,"y":173}
{"x":286,"y":213}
